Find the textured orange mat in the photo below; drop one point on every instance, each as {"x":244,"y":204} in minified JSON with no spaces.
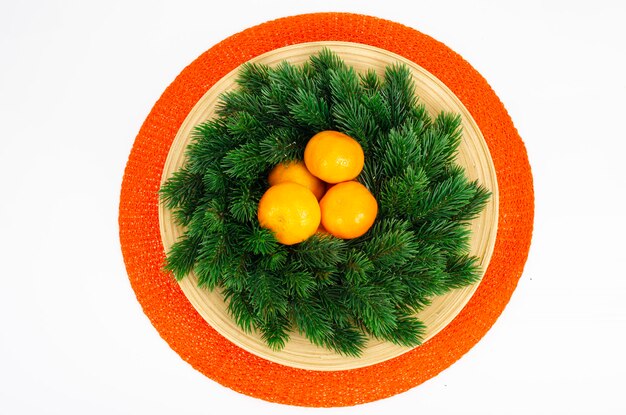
{"x":207,"y":351}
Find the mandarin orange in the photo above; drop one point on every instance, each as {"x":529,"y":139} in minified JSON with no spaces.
{"x":334,"y":157}
{"x":291,"y":211}
{"x":296,"y":172}
{"x":348,"y":210}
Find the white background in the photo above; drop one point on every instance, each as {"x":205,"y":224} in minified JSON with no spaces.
{"x":77,"y":79}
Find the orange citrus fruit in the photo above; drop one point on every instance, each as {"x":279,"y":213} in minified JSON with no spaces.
{"x":291,"y":211}
{"x":348,"y":210}
{"x":333,"y":156}
{"x":296,"y":172}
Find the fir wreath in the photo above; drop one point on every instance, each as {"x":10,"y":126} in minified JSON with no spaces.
{"x":335,"y":292}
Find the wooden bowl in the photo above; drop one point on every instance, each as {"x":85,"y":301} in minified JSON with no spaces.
{"x":473,"y":155}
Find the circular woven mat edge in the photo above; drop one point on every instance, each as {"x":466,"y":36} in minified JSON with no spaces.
{"x":207,"y":351}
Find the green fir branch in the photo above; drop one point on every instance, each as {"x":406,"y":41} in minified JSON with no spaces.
{"x":310,"y":111}
{"x":373,"y":308}
{"x":282,"y":145}
{"x":253,"y":77}
{"x":183,"y":256}
{"x":399,"y":92}
{"x":392,"y":243}
{"x":240,"y":308}
{"x":408,"y":332}
{"x":245,"y":162}
{"x":400,"y":194}
{"x":274,"y":329}
{"x":447,"y":235}
{"x":301,"y":284}
{"x":261,"y":241}
{"x":183,"y":188}
{"x":475,"y":205}
{"x":320,"y":252}
{"x":461,"y":270}
{"x":312,"y":322}
{"x":445,"y":199}
{"x":335,"y":292}
{"x":357,"y":267}
{"x":212,"y":261}
{"x":243,"y":203}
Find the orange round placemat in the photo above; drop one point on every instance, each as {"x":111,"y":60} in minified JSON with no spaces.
{"x":187,"y":332}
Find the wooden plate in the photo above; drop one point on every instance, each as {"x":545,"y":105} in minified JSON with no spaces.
{"x":473,"y":155}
